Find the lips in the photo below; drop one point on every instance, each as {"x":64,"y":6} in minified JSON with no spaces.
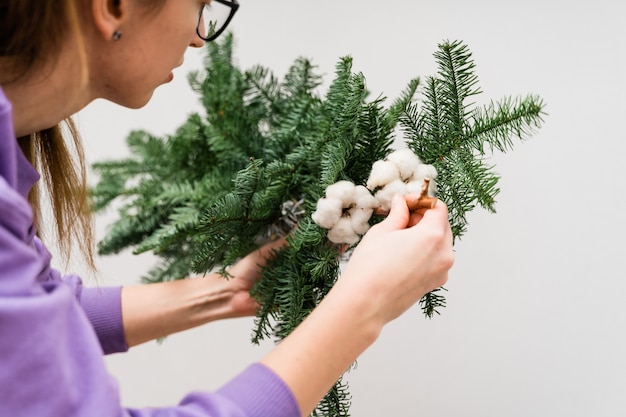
{"x":170,"y":76}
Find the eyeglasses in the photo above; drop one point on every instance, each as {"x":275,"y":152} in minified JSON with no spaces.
{"x":214,"y":18}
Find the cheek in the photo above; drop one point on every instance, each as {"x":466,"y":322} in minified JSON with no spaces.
{"x":135,"y":87}
{"x":182,"y":29}
{"x":171,"y":50}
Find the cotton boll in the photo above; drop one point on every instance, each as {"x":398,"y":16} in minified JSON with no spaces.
{"x":396,"y":187}
{"x":342,"y":232}
{"x":382,"y":173}
{"x":425,"y":171}
{"x":385,"y":194}
{"x":415,"y":186}
{"x":360,"y":219}
{"x":406,"y":161}
{"x":328,"y":212}
{"x":363,"y":198}
{"x":341,"y":190}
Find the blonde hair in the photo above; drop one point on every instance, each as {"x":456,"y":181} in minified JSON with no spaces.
{"x":31,"y":32}
{"x":64,"y":182}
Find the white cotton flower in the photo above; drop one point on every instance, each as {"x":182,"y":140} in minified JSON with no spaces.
{"x":359,"y":218}
{"x":363,"y":198}
{"x":342,"y":232}
{"x":342,"y":190}
{"x":345,"y":211}
{"x":423,"y":171}
{"x":406,"y":161}
{"x":385,"y":194}
{"x":328,"y":212}
{"x":382,"y":173}
{"x":415,"y":186}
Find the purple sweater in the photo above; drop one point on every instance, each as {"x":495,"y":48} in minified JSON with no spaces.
{"x":54,"y":332}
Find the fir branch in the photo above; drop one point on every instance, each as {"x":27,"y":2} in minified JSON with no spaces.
{"x":499,"y":122}
{"x":432,"y":302}
{"x":263,"y":154}
{"x":131,"y":229}
{"x":180,"y":224}
{"x":424,"y":126}
{"x":336,"y":402}
{"x":457,"y":82}
{"x":264,"y":91}
{"x":399,"y":105}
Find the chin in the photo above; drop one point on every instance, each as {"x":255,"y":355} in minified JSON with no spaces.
{"x":135,"y":102}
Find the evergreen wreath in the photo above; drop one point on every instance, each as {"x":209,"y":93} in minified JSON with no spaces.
{"x":256,"y":164}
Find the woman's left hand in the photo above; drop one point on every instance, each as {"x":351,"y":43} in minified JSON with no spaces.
{"x":245,"y":273}
{"x":152,"y":311}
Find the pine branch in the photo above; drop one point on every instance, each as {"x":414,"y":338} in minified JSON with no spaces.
{"x":457,"y":83}
{"x":496,"y":124}
{"x":255,"y":165}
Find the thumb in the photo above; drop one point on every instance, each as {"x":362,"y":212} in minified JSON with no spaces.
{"x":398,"y":217}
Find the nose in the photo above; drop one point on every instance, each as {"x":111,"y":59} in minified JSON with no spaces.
{"x":196,"y":41}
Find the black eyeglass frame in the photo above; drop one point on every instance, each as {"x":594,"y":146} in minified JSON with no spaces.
{"x":234,"y":6}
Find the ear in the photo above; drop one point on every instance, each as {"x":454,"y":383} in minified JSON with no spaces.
{"x":108,"y":16}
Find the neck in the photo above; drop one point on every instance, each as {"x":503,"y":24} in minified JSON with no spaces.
{"x":45,"y":97}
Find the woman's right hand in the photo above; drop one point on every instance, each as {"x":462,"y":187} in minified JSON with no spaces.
{"x":399,"y":260}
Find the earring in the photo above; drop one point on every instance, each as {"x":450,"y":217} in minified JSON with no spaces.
{"x":116,"y":35}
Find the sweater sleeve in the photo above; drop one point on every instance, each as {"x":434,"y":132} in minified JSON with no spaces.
{"x":260,"y":392}
{"x":257,"y":392}
{"x":104,"y":311}
{"x":102,"y":306}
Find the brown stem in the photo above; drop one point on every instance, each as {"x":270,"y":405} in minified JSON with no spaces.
{"x":423,"y":201}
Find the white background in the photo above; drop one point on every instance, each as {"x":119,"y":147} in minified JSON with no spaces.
{"x":535,"y":319}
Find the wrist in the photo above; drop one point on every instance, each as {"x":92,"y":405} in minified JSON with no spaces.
{"x":208,"y":299}
{"x":157,"y":310}
{"x":356,"y":311}
{"x":324,"y":345}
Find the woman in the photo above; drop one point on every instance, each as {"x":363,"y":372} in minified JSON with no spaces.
{"x":56,"y":56}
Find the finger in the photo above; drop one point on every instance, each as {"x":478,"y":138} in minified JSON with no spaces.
{"x":438,"y":217}
{"x":415,"y":217}
{"x":421,"y":206}
{"x":398,"y":217}
{"x":258,"y":258}
{"x":269,"y":250}
{"x":439,"y":213}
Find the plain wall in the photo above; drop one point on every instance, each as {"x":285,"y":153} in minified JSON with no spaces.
{"x":536,"y":318}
